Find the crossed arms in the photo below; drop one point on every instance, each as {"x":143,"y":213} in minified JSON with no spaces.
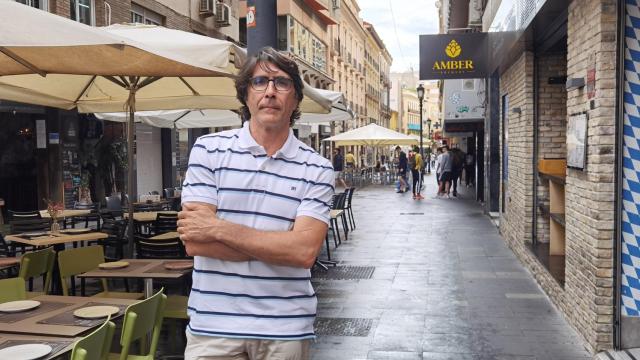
{"x":203,"y":234}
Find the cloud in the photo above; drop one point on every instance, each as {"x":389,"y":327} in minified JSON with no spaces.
{"x":412,"y":18}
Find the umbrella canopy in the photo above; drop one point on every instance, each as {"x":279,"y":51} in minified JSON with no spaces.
{"x":187,"y":119}
{"x":65,"y":64}
{"x":372,"y":135}
{"x":89,"y":68}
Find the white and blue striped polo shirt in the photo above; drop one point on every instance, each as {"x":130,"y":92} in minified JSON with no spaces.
{"x":254,"y":299}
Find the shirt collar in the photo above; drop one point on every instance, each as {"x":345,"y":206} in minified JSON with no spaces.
{"x":289,"y":150}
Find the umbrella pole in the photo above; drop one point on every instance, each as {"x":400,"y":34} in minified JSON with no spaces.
{"x":131,"y":173}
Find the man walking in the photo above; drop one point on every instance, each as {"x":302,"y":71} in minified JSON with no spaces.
{"x":337,"y":167}
{"x":255,"y":214}
{"x":445,"y":165}
{"x":416,"y":176}
{"x":402,"y":170}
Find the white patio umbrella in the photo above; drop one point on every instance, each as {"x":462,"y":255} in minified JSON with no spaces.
{"x":372,"y":135}
{"x":62,"y":63}
{"x":187,"y":119}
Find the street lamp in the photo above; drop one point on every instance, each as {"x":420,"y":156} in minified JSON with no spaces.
{"x":420,"y":91}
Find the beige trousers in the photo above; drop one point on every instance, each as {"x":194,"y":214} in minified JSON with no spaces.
{"x":201,"y":347}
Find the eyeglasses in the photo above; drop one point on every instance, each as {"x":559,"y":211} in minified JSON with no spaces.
{"x":261,"y":83}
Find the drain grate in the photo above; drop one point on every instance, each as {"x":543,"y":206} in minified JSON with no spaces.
{"x":345,"y":273}
{"x":411,"y":213}
{"x":343,"y":327}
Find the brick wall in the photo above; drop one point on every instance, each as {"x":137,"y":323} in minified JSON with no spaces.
{"x":517,"y":83}
{"x":552,"y":126}
{"x":587,"y":298}
{"x":590,"y":193}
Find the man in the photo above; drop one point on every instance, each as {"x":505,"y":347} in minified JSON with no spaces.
{"x":255,"y":214}
{"x":416,"y":170}
{"x":350,"y":160}
{"x":402,"y":170}
{"x":445,"y":164}
{"x":337,"y":167}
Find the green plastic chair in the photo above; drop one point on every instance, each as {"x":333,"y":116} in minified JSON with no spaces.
{"x":12,"y":289}
{"x":140,"y":319}
{"x":96,"y":345}
{"x":81,"y":260}
{"x":38,"y":263}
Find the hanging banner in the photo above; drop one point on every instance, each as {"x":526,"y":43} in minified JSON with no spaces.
{"x":448,"y":56}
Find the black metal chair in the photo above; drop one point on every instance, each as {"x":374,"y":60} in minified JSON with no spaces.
{"x":347,"y":207}
{"x":94,"y":215}
{"x":165,"y":223}
{"x":23,"y":215}
{"x":116,"y":242}
{"x":338,"y":203}
{"x":159,"y":249}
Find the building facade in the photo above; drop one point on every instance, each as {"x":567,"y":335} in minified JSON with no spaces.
{"x":560,"y":152}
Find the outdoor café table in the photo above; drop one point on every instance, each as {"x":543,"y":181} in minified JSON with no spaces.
{"x":147,"y":269}
{"x":54,"y":316}
{"x":60,"y":345}
{"x":58,"y":241}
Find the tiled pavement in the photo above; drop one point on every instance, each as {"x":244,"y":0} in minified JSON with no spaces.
{"x":444,"y":286}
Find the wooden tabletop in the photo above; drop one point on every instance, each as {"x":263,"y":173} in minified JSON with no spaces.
{"x":29,"y":320}
{"x":139,"y":269}
{"x":147,"y":216}
{"x":61,"y":345}
{"x":171,"y":235}
{"x":53,"y":239}
{"x":66,"y":213}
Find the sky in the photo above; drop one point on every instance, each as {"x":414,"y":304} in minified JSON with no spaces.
{"x":411,"y":18}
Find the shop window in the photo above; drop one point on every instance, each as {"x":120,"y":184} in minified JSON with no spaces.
{"x":83,"y":11}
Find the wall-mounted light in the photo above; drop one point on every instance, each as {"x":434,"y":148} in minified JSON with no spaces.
{"x":516,"y":110}
{"x":574,"y":83}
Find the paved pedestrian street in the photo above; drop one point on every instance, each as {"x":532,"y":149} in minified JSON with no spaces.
{"x":432,"y":279}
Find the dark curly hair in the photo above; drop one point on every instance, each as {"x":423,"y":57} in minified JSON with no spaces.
{"x":265,"y":57}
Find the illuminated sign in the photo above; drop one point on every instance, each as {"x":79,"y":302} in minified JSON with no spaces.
{"x":460,"y":56}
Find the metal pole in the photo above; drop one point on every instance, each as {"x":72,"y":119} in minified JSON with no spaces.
{"x":421,"y":150}
{"x":263,"y":30}
{"x":430,"y":145}
{"x":131,"y":174}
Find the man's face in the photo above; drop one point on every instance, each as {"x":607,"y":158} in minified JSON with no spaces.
{"x":271,"y":108}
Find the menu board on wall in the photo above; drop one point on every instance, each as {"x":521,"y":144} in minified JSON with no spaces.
{"x":70,"y":172}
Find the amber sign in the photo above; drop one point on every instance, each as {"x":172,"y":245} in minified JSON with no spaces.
{"x":460,"y":56}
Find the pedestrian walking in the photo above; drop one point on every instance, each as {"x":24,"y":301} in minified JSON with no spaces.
{"x":338,"y":168}
{"x":469,"y":169}
{"x":402,"y":170}
{"x":416,"y":173}
{"x":243,"y":229}
{"x":457,"y":163}
{"x":445,"y":163}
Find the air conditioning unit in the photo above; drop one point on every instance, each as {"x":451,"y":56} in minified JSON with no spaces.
{"x":336,"y":4}
{"x":207,"y":8}
{"x":223,"y":11}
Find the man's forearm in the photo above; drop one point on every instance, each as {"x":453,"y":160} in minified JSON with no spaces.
{"x":297,"y":247}
{"x":215,"y":250}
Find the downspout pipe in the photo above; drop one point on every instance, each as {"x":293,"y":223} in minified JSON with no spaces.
{"x":619,"y":125}
{"x":536,"y":105}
